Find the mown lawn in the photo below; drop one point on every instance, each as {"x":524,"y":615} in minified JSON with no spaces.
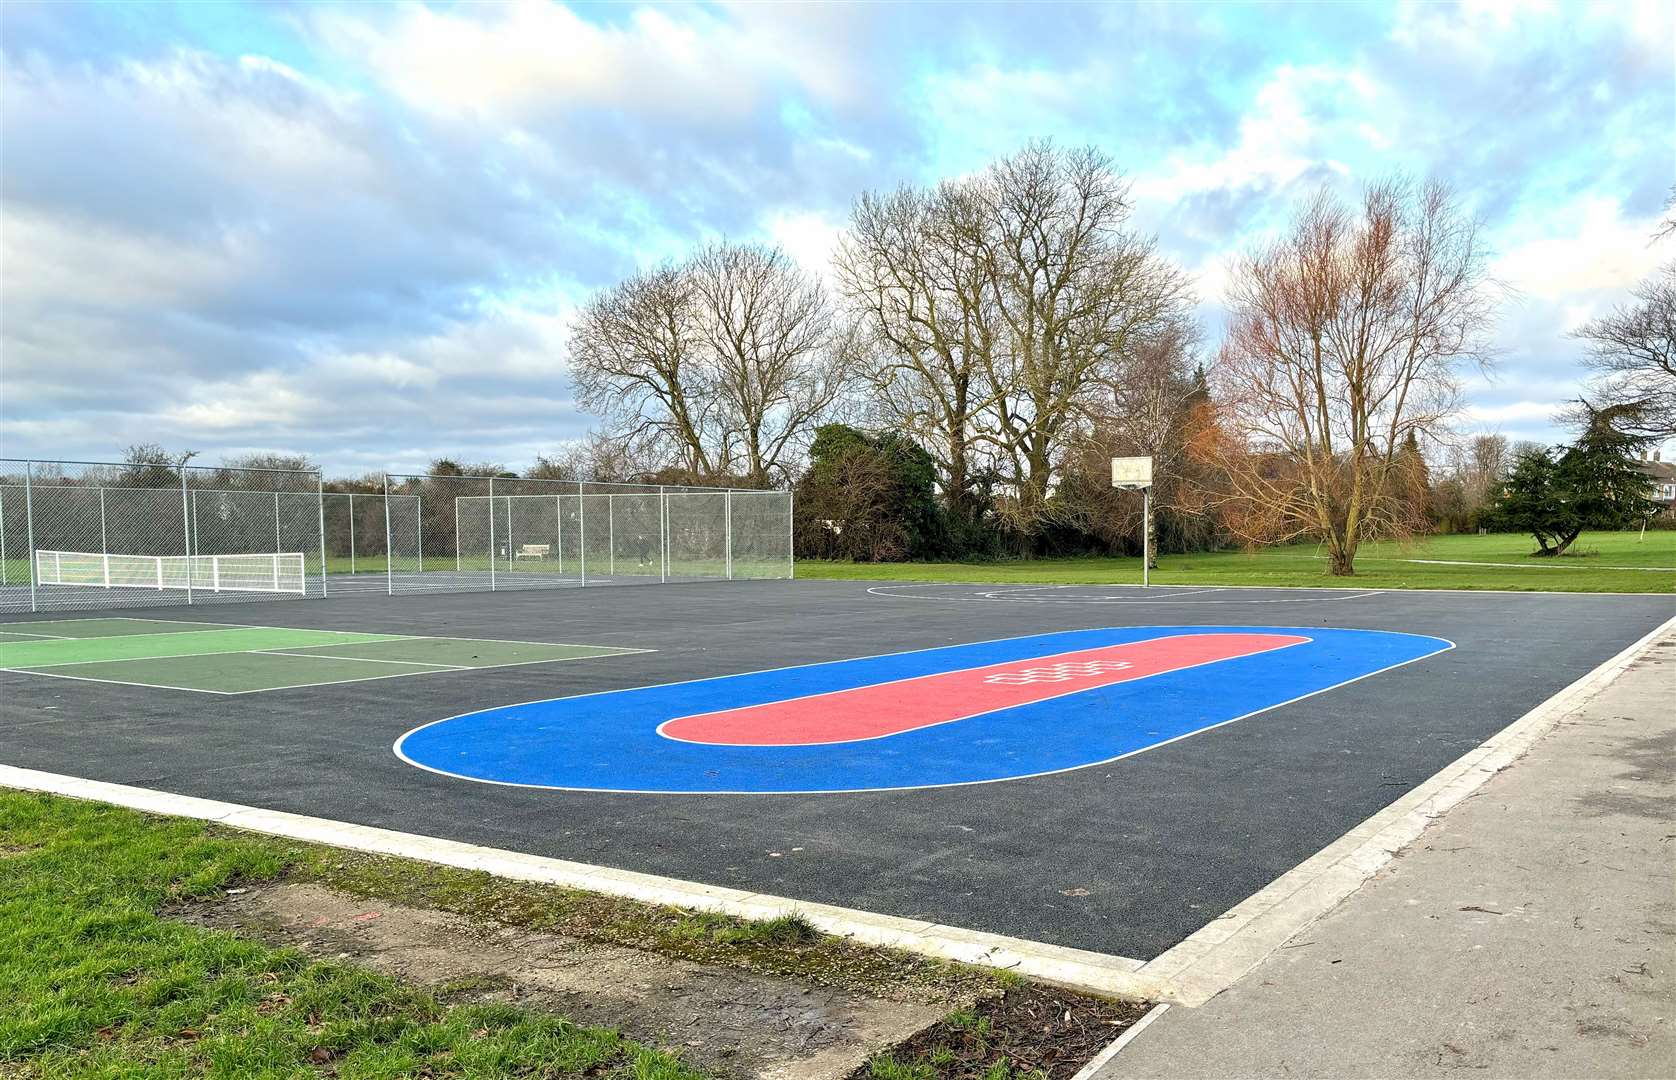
{"x":1598,"y":562}
{"x":94,"y":983}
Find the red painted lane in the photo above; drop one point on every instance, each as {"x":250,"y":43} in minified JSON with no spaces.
{"x":868,"y":712}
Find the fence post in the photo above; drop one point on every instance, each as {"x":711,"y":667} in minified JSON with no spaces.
{"x":611,"y":534}
{"x":459,"y":548}
{"x":389,"y":553}
{"x":104,"y":540}
{"x":663,"y":535}
{"x":582,"y":531}
{"x":351,"y":534}
{"x":558,"y":520}
{"x":791,"y":535}
{"x":29,"y":526}
{"x":492,"y":557}
{"x":320,"y":512}
{"x":419,"y":529}
{"x":276,"y":523}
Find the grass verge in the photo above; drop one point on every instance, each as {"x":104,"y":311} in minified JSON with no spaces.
{"x":1600,"y":562}
{"x":94,"y":983}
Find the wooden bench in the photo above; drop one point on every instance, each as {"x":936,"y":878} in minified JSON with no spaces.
{"x":532,"y":551}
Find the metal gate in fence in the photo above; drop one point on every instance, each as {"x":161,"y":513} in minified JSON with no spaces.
{"x":92,"y":535}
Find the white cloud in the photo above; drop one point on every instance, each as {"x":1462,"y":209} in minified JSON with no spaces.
{"x":1585,"y":247}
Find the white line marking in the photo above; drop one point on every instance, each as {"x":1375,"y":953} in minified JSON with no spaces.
{"x":1098,"y":1061}
{"x":373,"y":639}
{"x":396,"y":747}
{"x":358,"y":659}
{"x":1219,"y":954}
{"x":897,"y":592}
{"x":1369,"y":590}
{"x":121,"y":682}
{"x":980,"y":667}
{"x":1353,"y":857}
{"x":43,"y":637}
{"x":1081,"y":968}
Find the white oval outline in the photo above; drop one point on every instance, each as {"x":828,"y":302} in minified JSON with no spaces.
{"x":396,"y":747}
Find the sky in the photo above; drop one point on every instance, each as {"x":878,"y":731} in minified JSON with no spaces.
{"x":357,"y":231}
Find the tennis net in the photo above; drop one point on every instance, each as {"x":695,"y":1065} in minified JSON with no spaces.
{"x":278,"y":572}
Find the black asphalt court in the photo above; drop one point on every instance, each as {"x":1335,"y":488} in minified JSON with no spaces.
{"x":1127,"y":857}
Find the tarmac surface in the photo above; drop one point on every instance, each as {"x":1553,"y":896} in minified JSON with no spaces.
{"x":1126,"y":858}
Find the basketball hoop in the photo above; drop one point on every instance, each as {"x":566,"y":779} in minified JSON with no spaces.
{"x":1131,"y":474}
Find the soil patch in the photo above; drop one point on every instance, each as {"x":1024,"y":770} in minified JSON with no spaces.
{"x":730,"y":1022}
{"x":1029,"y":1031}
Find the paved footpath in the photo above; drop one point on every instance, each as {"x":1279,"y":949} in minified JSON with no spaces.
{"x":1529,"y":932}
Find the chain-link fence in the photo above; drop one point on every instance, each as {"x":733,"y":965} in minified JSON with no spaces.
{"x":79,"y":535}
{"x":88,"y":535}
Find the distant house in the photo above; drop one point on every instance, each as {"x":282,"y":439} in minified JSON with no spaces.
{"x":1663,"y":476}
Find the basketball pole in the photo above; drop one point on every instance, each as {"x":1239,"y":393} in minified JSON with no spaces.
{"x":1146,"y":536}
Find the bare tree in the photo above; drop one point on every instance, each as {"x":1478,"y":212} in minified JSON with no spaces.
{"x":1344,"y":341}
{"x":636,"y":358}
{"x":1077,"y":294}
{"x":1632,"y":351}
{"x":776,"y":354}
{"x":722,"y":365}
{"x":912,"y":272}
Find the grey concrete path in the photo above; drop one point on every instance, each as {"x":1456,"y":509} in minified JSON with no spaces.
{"x":1530,"y":932}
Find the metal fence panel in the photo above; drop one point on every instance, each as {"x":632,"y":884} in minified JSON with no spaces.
{"x":204,"y":535}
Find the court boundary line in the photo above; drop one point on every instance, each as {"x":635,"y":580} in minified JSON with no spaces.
{"x":897,"y":592}
{"x":396,"y":747}
{"x":431,"y":668}
{"x":186,"y":656}
{"x":1221,"y":956}
{"x":1371,"y":590}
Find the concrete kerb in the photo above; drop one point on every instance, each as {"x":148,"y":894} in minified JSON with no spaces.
{"x":1212,"y":959}
{"x":1078,"y":969}
{"x":1191,"y":973}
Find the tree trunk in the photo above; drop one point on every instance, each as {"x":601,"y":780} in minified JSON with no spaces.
{"x":1343,"y":563}
{"x":1565,"y":542}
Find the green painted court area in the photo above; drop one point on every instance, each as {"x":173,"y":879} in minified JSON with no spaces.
{"x":215,"y":658}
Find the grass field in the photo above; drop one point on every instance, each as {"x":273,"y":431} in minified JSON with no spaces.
{"x":1598,"y":562}
{"x":95,"y":983}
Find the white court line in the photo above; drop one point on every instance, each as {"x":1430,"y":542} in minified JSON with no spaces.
{"x":396,"y":747}
{"x":438,"y":670}
{"x":1199,"y":968}
{"x":1368,"y":590}
{"x":358,"y":659}
{"x":375,"y":639}
{"x":897,"y":592}
{"x":43,"y":637}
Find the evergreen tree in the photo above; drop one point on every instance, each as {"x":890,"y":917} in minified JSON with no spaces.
{"x":1591,"y":484}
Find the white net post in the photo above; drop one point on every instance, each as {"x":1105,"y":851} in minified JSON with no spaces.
{"x":389,"y":560}
{"x":187,"y":505}
{"x":29,"y":527}
{"x":320,"y":511}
